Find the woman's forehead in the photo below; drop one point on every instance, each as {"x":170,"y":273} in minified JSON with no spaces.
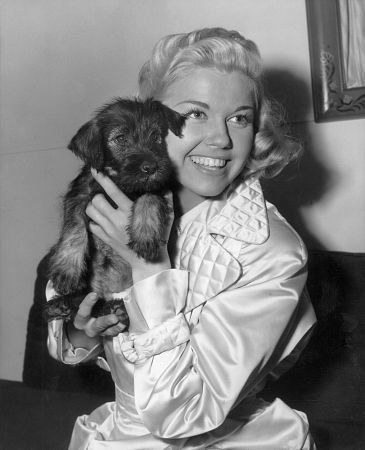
{"x":211,"y":87}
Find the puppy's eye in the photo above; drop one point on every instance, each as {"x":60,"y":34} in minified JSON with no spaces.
{"x":118,"y":139}
{"x":158,"y":139}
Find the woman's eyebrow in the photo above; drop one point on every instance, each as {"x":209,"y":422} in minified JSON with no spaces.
{"x":240,"y":108}
{"x":195,"y":102}
{"x":206,"y":106}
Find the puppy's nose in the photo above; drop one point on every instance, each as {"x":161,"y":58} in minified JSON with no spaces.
{"x":149,"y":167}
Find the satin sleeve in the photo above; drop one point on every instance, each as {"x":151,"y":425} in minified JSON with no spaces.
{"x":189,"y":388}
{"x":60,"y":348}
{"x":155,"y":308}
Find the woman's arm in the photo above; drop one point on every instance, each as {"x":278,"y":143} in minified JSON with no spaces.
{"x":186,"y":383}
{"x":81,"y":340}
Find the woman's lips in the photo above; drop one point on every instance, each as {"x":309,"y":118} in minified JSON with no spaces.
{"x":209,"y":163}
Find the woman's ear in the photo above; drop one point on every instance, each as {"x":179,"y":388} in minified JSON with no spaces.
{"x":87,"y":144}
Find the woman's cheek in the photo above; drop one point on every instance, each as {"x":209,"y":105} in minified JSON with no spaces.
{"x":178,"y":148}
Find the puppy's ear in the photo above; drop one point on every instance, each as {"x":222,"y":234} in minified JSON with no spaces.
{"x":87,"y":144}
{"x":175,"y":121}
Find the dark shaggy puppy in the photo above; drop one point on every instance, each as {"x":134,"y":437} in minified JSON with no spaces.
{"x":126,"y":141}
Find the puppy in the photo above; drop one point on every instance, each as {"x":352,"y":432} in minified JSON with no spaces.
{"x":125,"y":141}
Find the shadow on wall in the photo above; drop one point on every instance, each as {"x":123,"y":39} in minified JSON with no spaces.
{"x":306,"y":181}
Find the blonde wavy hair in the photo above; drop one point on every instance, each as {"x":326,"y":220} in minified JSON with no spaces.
{"x":176,"y":55}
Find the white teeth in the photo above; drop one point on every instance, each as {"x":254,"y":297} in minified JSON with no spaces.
{"x":209,"y":162}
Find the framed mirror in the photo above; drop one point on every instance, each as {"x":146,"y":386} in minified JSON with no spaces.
{"x":336,"y":32}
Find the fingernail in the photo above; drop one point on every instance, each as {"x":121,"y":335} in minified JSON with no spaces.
{"x":96,"y":173}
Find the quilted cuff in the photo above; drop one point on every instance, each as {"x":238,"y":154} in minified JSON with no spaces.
{"x":156,"y":299}
{"x":137,"y":348}
{"x":61,"y":348}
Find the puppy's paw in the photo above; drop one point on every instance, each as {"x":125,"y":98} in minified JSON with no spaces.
{"x":63,"y":307}
{"x":146,"y":247}
{"x":148,"y":226}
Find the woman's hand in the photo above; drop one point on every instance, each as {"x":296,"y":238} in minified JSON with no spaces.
{"x":109,"y":224}
{"x":108,"y":325}
{"x":86,"y":330}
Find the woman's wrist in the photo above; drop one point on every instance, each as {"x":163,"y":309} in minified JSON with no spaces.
{"x":146,"y":269}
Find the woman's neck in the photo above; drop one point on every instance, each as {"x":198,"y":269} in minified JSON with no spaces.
{"x":185,"y":200}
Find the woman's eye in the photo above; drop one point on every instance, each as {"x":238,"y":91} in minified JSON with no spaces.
{"x":195,"y":114}
{"x":240,"y":119}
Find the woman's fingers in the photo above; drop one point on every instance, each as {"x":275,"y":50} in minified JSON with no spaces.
{"x":111,"y":189}
{"x":114,"y":330}
{"x":110,"y":227}
{"x":108,"y":325}
{"x":99,"y":232}
{"x":98,"y":326}
{"x":84,"y":312}
{"x":100,"y":213}
{"x":101,"y":204}
{"x":107,"y":223}
{"x":102,"y":326}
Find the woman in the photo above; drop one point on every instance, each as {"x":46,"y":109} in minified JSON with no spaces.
{"x":224,"y":308}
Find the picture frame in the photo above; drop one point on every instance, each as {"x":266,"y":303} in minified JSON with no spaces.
{"x":333,"y":97}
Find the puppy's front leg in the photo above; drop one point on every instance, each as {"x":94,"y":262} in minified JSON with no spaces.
{"x":68,"y":261}
{"x":147,"y":226}
{"x":67,"y":265}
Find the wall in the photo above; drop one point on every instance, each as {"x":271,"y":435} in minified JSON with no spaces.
{"x":62,"y":59}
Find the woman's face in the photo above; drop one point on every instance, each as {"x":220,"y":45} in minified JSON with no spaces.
{"x":218,"y":135}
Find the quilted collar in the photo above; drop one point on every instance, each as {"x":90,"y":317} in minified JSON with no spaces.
{"x":207,"y":239}
{"x":240,"y":214}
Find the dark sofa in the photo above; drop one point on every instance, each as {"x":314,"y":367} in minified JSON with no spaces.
{"x":327,"y":382}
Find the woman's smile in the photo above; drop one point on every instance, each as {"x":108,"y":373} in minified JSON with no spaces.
{"x":209,"y":163}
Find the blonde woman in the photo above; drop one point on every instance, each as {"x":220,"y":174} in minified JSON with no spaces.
{"x":225,"y":307}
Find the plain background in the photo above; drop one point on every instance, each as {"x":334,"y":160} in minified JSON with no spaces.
{"x":61,"y":59}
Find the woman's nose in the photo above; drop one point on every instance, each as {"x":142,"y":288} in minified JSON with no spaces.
{"x":218,"y":136}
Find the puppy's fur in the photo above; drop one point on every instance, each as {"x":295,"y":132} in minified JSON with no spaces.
{"x":125,"y":141}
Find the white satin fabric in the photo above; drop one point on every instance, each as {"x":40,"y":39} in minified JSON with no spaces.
{"x":204,"y":336}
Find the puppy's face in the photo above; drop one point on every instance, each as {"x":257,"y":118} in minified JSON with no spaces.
{"x":126,"y":140}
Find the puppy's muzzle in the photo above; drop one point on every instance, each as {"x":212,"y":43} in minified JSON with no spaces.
{"x":149,"y":167}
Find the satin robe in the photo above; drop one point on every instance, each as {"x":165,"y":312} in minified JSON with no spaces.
{"x":204,"y":336}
